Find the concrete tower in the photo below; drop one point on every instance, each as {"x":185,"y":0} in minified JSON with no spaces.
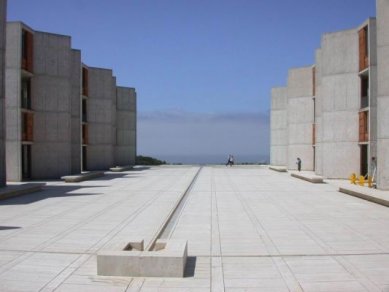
{"x":3,"y":10}
{"x":383,"y":94}
{"x":42,"y":111}
{"x":279,"y":127}
{"x":300,"y":117}
{"x":125,"y":149}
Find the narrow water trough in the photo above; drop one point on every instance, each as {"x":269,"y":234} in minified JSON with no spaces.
{"x":162,"y":257}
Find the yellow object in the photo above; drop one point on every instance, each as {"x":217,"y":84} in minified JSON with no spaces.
{"x":353,"y":179}
{"x":370,"y":181}
{"x":361,"y":180}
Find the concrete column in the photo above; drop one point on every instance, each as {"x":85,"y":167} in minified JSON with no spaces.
{"x":125,"y":150}
{"x":300,"y":117}
{"x":51,"y":102}
{"x":13,"y":75}
{"x":339,"y":96}
{"x":318,"y":115}
{"x":383,"y":94}
{"x":279,"y":127}
{"x":102,"y":92}
{"x":3,"y":10}
{"x":76,"y":112}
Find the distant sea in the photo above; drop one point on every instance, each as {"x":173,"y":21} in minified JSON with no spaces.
{"x":212,"y":159}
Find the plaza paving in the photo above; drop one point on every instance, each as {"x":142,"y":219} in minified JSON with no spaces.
{"x":248,"y":229}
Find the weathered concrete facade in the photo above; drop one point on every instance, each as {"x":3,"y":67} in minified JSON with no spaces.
{"x":55,"y":76}
{"x":339,"y":101}
{"x":19,"y":73}
{"x":41,"y":80}
{"x":125,"y":149}
{"x":383,"y":94}
{"x":3,"y":9}
{"x":300,"y":117}
{"x":279,"y":127}
{"x":101,"y":104}
{"x":347,"y":124}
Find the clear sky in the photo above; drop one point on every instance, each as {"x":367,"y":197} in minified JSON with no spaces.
{"x":197,"y":65}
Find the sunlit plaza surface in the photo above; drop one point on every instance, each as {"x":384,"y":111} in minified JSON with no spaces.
{"x":248,"y":229}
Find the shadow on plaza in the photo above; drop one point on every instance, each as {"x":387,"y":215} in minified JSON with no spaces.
{"x":8,"y":227}
{"x":49,"y":192}
{"x":190,"y":267}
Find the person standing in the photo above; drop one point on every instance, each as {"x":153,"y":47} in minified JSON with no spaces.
{"x":298,"y":164}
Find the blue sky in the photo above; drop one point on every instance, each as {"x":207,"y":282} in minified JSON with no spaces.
{"x":197,"y":57}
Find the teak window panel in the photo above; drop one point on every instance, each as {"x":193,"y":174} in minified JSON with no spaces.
{"x":27,"y":127}
{"x":363,"y":48}
{"x":27,"y":50}
{"x":363,"y":126}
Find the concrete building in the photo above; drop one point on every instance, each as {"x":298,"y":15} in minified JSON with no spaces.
{"x":279,"y":127}
{"x":300,"y":117}
{"x":3,"y":9}
{"x":42,"y":79}
{"x":383,"y":94}
{"x":99,"y":124}
{"x":339,"y":104}
{"x":350,"y":105}
{"x":125,"y":149}
{"x":108,"y":121}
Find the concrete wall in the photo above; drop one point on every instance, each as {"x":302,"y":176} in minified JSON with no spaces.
{"x":340,"y":97}
{"x":76,"y":112}
{"x":318,"y":151}
{"x":125,"y":149}
{"x":12,"y":91}
{"x":101,"y":100}
{"x":3,"y":9}
{"x":383,"y":94}
{"x":373,"y":79}
{"x":52,"y":101}
{"x":279,"y":127}
{"x":300,"y":117}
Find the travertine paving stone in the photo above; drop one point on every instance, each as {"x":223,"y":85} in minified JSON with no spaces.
{"x":248,"y":229}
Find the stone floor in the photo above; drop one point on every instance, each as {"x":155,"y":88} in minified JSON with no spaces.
{"x":248,"y":229}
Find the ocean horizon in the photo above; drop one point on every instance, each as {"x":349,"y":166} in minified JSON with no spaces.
{"x":213,"y":159}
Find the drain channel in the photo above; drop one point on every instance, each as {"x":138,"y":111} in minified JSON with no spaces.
{"x":170,"y":222}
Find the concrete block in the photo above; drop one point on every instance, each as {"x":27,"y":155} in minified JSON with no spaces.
{"x":278,"y":168}
{"x":19,"y":190}
{"x":307,"y":176}
{"x":168,"y":260}
{"x":120,"y":168}
{"x":82,"y":176}
{"x":372,"y":195}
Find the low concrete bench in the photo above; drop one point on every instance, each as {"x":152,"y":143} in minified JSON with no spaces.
{"x":372,"y":195}
{"x":278,"y":168}
{"x":82,"y":176}
{"x":121,"y":168}
{"x":14,"y":190}
{"x":167,"y":259}
{"x":308,"y":177}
